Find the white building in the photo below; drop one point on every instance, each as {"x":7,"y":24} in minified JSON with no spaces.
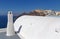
{"x":38,"y":27}
{"x":50,"y":12}
{"x":58,"y":13}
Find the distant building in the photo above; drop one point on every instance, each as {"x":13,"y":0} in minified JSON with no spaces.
{"x":58,"y":13}
{"x":50,"y":12}
{"x":45,"y":12}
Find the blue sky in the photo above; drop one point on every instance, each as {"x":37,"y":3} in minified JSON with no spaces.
{"x":19,"y":6}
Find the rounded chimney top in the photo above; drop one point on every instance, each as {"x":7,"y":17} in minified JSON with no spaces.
{"x":9,"y":12}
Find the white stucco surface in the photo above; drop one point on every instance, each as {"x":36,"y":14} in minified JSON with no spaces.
{"x":38,"y":27}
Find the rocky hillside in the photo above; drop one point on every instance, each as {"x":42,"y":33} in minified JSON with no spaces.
{"x":34,"y":13}
{"x":38,"y":13}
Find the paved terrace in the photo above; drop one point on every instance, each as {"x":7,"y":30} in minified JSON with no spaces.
{"x":3,"y":36}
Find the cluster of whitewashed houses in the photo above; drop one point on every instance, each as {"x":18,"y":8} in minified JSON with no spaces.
{"x":49,"y":12}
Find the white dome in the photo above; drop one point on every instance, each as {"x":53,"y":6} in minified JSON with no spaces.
{"x":38,"y":27}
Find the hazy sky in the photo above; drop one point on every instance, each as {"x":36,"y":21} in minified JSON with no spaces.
{"x":18,"y":6}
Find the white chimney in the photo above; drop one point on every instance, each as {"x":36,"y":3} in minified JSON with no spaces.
{"x":10,"y":25}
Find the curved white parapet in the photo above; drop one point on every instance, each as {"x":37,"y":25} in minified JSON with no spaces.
{"x":10,"y":26}
{"x":38,"y":27}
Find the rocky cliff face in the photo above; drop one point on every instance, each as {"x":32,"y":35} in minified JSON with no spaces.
{"x":38,"y":13}
{"x":34,"y":13}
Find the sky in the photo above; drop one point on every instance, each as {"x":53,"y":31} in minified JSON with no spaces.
{"x":19,"y":6}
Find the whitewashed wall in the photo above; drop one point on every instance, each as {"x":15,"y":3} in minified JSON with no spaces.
{"x":38,"y":27}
